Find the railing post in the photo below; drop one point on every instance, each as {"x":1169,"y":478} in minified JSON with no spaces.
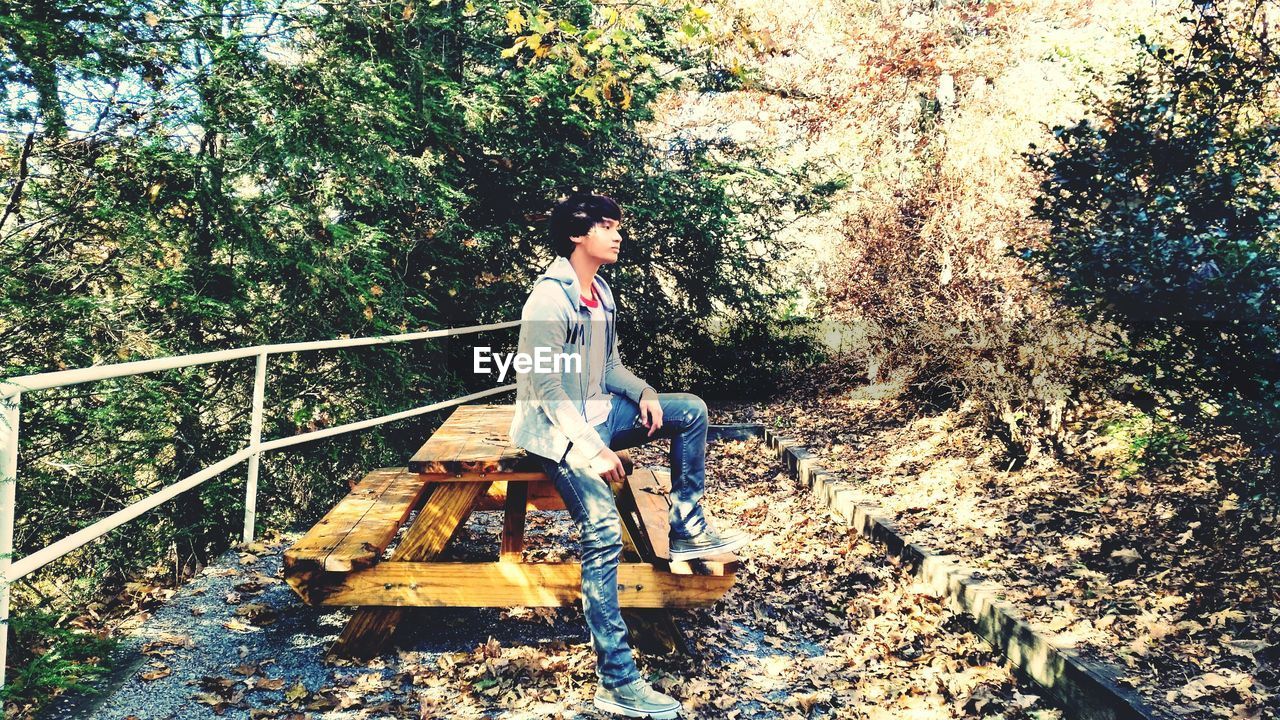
{"x":9,"y":415}
{"x":255,"y":439}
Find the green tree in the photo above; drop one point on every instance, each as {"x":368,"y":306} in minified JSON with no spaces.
{"x":1165,"y":217}
{"x":205,"y":175}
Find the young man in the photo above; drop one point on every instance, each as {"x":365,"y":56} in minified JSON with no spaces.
{"x":574,"y":417}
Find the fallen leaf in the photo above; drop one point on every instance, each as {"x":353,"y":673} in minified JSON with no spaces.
{"x":296,"y":693}
{"x":159,"y":672}
{"x":237,"y":626}
{"x":1126,"y":555}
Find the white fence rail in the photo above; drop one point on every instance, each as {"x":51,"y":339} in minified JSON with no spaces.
{"x":12,"y":390}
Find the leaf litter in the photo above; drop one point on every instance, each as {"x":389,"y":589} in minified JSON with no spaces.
{"x":818,"y":624}
{"x":1136,"y":569}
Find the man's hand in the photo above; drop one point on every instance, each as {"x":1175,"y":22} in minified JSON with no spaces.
{"x":609,"y":465}
{"x":650,"y":410}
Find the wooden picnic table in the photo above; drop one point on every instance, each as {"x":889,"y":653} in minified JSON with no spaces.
{"x":470,"y":464}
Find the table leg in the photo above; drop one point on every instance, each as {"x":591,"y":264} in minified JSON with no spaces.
{"x":513,"y":522}
{"x":437,"y":524}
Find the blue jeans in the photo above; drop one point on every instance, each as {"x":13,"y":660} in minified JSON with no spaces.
{"x":591,"y":503}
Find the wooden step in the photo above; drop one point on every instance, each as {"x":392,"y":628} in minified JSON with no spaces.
{"x":503,"y":584}
{"x":651,"y":488}
{"x":359,"y":528}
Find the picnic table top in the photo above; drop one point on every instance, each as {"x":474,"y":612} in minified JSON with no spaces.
{"x":474,"y":439}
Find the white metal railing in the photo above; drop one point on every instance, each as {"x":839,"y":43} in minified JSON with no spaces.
{"x":12,"y":389}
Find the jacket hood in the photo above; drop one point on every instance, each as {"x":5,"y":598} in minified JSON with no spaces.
{"x":561,"y":270}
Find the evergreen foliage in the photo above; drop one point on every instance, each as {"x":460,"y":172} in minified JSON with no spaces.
{"x":200,"y":175}
{"x":1164,"y":221}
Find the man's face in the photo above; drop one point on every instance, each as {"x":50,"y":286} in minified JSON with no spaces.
{"x":602,"y":243}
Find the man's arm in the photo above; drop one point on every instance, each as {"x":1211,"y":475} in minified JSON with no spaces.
{"x":617,"y":378}
{"x":542,"y":326}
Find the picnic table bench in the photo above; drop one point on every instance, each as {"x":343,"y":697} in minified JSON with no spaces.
{"x":470,"y":464}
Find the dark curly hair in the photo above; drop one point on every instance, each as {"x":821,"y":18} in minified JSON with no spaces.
{"x":576,"y":215}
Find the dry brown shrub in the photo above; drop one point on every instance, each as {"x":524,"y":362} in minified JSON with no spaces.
{"x":955,"y":96}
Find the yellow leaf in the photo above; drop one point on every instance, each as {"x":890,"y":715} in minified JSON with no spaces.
{"x":515,"y":21}
{"x":1223,"y":617}
{"x":296,"y":693}
{"x":237,"y":626}
{"x":1229,"y":504}
{"x":407,"y":15}
{"x":156,"y":674}
{"x":533,"y":42}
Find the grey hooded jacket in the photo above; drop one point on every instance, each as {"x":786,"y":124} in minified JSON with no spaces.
{"x":549,"y":406}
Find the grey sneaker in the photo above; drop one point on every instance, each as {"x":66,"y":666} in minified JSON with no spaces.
{"x":638,"y":700}
{"x":708,"y":542}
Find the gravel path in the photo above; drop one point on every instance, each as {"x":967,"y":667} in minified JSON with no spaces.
{"x":818,"y":625}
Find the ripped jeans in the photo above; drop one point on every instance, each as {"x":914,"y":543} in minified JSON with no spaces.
{"x":591,"y":503}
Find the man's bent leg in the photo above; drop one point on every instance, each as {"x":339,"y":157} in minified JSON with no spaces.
{"x":684,"y":420}
{"x":591,"y":504}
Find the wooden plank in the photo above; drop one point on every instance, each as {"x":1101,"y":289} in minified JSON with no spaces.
{"x":542,"y":495}
{"x":485,"y":476}
{"x":473,"y":444}
{"x":499,"y":584}
{"x":364,"y":545}
{"x":437,"y":523}
{"x":473,"y":439}
{"x":650,"y":630}
{"x":485,"y":439}
{"x":327,"y":534}
{"x":513,"y":522}
{"x":442,"y":444}
{"x":486,"y":446}
{"x":477,"y":477}
{"x":635,"y":537}
{"x":302,"y":580}
{"x":651,"y":490}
